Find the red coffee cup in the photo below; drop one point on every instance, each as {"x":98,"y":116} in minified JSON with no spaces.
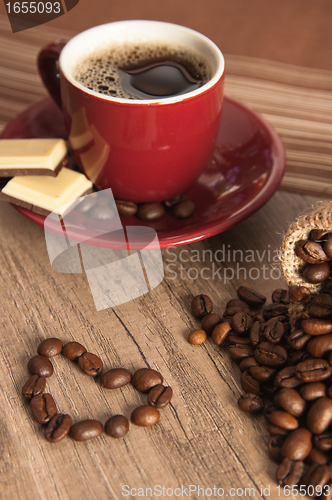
{"x":143,"y":149}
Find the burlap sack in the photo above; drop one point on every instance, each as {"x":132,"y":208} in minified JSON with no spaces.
{"x":318,"y":217}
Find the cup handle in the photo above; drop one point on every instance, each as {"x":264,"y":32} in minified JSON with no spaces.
{"x":47,"y":62}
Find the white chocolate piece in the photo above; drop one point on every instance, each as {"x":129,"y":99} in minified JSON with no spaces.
{"x":47,"y":193}
{"x":31,"y":156}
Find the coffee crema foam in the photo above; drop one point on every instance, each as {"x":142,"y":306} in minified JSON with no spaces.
{"x":99,"y":72}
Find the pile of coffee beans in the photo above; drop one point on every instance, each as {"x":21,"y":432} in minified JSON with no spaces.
{"x":179,"y":207}
{"x":316,"y":252}
{"x":96,"y":207}
{"x":58,"y":425}
{"x":286,"y":374}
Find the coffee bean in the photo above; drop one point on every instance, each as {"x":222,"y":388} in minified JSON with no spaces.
{"x":298,"y":339}
{"x":304,"y":314}
{"x":320,"y":415}
{"x":231,"y":311}
{"x":299,"y":294}
{"x":173,"y":201}
{"x":273,"y":332}
{"x":250,"y":296}
{"x":241,"y":322}
{"x":319,"y":346}
{"x":274,"y":447}
{"x":255,"y":333}
{"x":269,"y":390}
{"x":40,"y":365}
{"x":126,"y":208}
{"x":327,"y":246}
{"x":246,"y":363}
{"x":316,"y":477}
{"x":262,"y":373}
{"x":283,"y":419}
{"x":238,"y":339}
{"x":240,"y":351}
{"x":183,"y":209}
{"x":103,"y":213}
{"x":73,"y":350}
{"x":238,"y":303}
{"x":145,"y":416}
{"x":290,"y":401}
{"x":274,"y":430}
{"x":50,"y":347}
{"x":197,"y":337}
{"x":251,"y":403}
{"x":310,"y":251}
{"x":317,"y":457}
{"x":43,"y":408}
{"x":318,"y":234}
{"x":117,"y":426}
{"x":283,"y":318}
{"x":257,"y":317}
{"x":85,"y":430}
{"x":275,"y":309}
{"x":90,"y":363}
{"x":320,"y":311}
{"x":327,"y":286}
{"x":201,"y":305}
{"x":270,"y":354}
{"x":289,"y":472}
{"x":316,"y":273}
{"x":287,"y":378}
{"x":271,"y":408}
{"x":297,"y":445}
{"x":209,"y":322}
{"x":34,"y":386}
{"x":146,"y":378}
{"x":281,"y":296}
{"x":57,"y":428}
{"x":115,"y":378}
{"x":150,"y":211}
{"x":322,"y":299}
{"x":299,"y":317}
{"x":298,"y":357}
{"x":159,"y":396}
{"x":313,"y":390}
{"x":220,"y":332}
{"x":313,"y":370}
{"x":316,"y":326}
{"x":249,"y":384}
{"x":323,"y":442}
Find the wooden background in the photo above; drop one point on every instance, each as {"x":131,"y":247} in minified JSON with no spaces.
{"x":202,"y":438}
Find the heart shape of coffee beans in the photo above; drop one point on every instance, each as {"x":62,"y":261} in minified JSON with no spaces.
{"x":59,"y":425}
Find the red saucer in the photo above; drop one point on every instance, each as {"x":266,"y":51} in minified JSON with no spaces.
{"x":243,"y":173}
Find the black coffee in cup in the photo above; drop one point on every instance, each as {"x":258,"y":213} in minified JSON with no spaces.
{"x":145,"y":71}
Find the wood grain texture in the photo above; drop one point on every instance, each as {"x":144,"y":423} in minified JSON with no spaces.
{"x":202,"y":437}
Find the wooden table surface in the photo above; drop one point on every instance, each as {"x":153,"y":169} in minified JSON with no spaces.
{"x":202,"y":438}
